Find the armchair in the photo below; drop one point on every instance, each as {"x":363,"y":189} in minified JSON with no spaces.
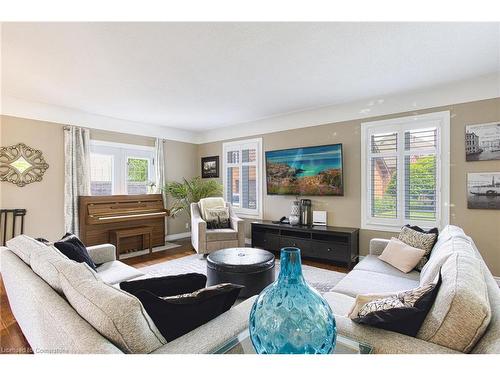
{"x":206,"y":241}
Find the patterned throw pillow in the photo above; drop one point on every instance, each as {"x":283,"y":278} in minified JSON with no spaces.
{"x":201,"y":294}
{"x":218,"y":218}
{"x":421,"y":239}
{"x":402,"y":312}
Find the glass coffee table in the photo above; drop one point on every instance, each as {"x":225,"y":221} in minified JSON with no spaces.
{"x":242,"y":344}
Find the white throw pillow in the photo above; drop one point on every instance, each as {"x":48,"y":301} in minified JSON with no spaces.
{"x":206,"y":203}
{"x":114,"y":313}
{"x":400,"y":255}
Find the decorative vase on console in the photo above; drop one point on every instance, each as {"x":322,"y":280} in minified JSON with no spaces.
{"x":290,"y":317}
{"x":295,"y":213}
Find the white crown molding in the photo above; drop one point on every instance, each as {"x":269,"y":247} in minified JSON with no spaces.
{"x":17,"y":107}
{"x":480,"y":88}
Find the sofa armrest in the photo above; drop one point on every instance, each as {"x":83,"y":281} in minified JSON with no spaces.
{"x":377,"y":245}
{"x":212,"y":335}
{"x":102,"y":253}
{"x":387,"y":342}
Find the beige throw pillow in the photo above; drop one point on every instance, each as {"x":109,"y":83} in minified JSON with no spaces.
{"x":400,"y":255}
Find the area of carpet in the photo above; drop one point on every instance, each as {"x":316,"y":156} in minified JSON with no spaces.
{"x":320,"y":279}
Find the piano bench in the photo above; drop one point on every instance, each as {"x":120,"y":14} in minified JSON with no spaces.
{"x":117,"y":235}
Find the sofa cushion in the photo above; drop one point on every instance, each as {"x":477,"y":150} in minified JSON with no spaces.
{"x":373,"y":264}
{"x":115,"y":272}
{"x":442,"y":251}
{"x":364,"y":282}
{"x":461,"y":312}
{"x":115,"y":314}
{"x":23,"y":246}
{"x":43,"y":263}
{"x":341,"y":304}
{"x":401,"y":255}
{"x":222,"y":235}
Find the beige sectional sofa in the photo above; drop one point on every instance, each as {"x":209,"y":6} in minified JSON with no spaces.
{"x":464,"y":318}
{"x":51,"y":325}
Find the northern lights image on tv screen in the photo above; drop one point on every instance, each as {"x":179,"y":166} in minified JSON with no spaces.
{"x":315,"y":170}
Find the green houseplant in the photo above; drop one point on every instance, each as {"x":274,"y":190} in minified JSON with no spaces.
{"x":190,"y":191}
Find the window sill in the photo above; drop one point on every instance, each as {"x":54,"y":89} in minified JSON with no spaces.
{"x":396,"y":228}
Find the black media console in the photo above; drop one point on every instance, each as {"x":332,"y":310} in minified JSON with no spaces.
{"x":333,"y":244}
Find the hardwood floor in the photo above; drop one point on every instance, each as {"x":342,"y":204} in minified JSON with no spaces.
{"x":12,"y":339}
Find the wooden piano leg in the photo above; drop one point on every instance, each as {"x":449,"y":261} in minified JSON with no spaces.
{"x":117,"y":248}
{"x":150,"y":242}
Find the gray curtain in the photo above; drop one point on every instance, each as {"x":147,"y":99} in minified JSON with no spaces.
{"x":76,"y":173}
{"x":159,"y":166}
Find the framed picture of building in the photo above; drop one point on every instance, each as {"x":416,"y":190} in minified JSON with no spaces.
{"x":483,"y":190}
{"x":482,"y":142}
{"x":210,"y":167}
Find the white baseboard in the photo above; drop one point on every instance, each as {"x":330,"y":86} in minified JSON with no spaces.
{"x":248,"y":241}
{"x":177,"y":236}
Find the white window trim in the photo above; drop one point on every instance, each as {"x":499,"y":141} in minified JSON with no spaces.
{"x":235,"y":145}
{"x":439,"y":119}
{"x":119,"y":150}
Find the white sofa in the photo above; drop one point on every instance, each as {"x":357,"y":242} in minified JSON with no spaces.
{"x":467,"y":303}
{"x":51,"y":325}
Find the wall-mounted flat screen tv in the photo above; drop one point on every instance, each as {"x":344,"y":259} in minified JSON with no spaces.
{"x":315,"y":170}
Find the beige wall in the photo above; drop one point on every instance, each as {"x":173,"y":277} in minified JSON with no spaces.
{"x":45,"y":200}
{"x":482,"y":225}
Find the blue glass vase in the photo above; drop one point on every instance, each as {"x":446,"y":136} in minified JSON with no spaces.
{"x":290,"y":317}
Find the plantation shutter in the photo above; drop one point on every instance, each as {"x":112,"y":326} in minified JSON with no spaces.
{"x":242,"y":175}
{"x":384,"y":184}
{"x":402,"y":175}
{"x":420,"y":193}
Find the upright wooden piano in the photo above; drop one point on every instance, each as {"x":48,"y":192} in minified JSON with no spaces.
{"x":99,"y":215}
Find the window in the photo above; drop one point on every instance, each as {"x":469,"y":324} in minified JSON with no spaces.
{"x":405,"y":172}
{"x":242,"y":166}
{"x":120,"y":168}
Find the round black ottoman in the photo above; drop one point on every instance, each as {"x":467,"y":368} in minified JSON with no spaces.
{"x":253,"y":268}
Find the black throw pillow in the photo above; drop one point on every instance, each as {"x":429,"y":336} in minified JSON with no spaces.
{"x":71,"y":246}
{"x":166,"y":285}
{"x":403,"y":312}
{"x":176,"y":316}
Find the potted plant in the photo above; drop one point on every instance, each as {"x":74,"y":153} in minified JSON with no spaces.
{"x":187,"y":192}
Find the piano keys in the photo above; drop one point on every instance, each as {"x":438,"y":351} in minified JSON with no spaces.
{"x":99,"y":215}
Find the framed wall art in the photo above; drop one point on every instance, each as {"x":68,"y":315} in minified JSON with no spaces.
{"x":210,"y":167}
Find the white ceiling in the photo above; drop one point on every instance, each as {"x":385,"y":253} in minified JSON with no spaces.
{"x":201,"y":76}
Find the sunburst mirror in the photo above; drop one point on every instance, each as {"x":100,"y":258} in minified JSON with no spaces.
{"x":21,"y":164}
